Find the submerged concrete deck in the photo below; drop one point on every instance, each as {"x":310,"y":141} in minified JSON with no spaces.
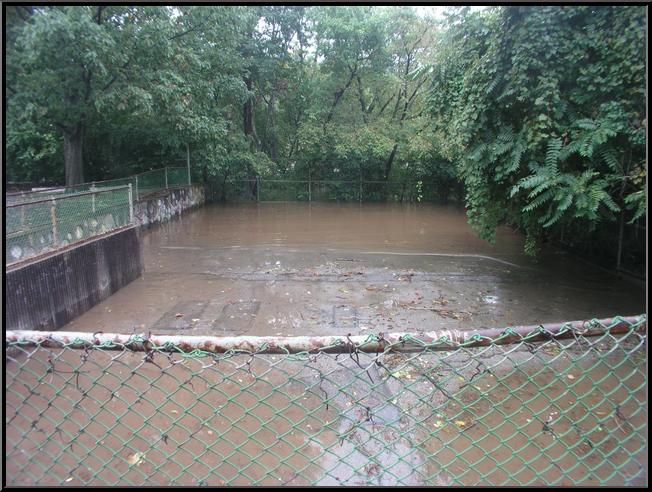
{"x":300,"y":269}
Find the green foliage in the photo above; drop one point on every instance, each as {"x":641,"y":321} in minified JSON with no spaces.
{"x":637,"y":202}
{"x":148,"y":69}
{"x":535,"y":116}
{"x":332,"y":92}
{"x":543,"y":110}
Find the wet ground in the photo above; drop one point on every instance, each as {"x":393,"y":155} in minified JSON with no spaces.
{"x":294,"y":269}
{"x":544,"y":414}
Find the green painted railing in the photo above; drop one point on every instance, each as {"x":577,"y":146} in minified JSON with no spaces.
{"x":37,"y":227}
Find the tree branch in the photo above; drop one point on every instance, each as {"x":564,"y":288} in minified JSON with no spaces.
{"x":21,"y":8}
{"x":192,"y":29}
{"x":414,"y":94}
{"x":116,"y":75}
{"x":338,"y":96}
{"x":363,"y":104}
{"x":386,"y":104}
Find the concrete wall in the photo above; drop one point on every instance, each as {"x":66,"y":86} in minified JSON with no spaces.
{"x":45,"y":294}
{"x":169,"y":204}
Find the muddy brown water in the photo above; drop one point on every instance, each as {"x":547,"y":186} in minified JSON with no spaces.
{"x":295,"y":269}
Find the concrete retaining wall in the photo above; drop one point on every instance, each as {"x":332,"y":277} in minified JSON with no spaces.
{"x":169,"y":204}
{"x":45,"y":294}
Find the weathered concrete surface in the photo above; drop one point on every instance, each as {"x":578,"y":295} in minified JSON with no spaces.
{"x":48,"y":293}
{"x":163,"y":207}
{"x":333,"y":269}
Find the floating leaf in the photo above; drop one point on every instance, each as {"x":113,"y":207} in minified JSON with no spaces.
{"x":136,"y":458}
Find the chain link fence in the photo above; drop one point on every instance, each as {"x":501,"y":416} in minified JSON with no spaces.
{"x":36,"y":227}
{"x":142,"y":185}
{"x":550,"y":405}
{"x":270,"y":190}
{"x":35,"y":195}
{"x":157,"y":180}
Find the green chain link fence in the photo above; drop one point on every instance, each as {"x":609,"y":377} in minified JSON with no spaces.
{"x":549,"y":405}
{"x":270,"y":190}
{"x":160,"y":179}
{"x":64,"y":191}
{"x":178,"y":176}
{"x":40,"y":226}
{"x":142,"y":184}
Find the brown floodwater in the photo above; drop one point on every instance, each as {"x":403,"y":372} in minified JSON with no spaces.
{"x":294,"y":268}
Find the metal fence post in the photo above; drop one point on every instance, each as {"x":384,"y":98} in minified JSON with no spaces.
{"x":93,"y":197}
{"x":188,"y":161}
{"x":136,"y":187}
{"x":131,"y":205}
{"x":22,"y":217}
{"x":309,"y":189}
{"x":53,"y":218}
{"x":166,"y":177}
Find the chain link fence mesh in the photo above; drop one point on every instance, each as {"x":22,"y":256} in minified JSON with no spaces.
{"x":272,"y":190}
{"x":545,"y":406}
{"x":157,"y":180}
{"x":50,"y":193}
{"x":36,"y":227}
{"x":142,"y":184}
{"x":178,"y":176}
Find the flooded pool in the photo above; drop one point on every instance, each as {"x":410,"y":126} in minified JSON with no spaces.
{"x":294,"y":268}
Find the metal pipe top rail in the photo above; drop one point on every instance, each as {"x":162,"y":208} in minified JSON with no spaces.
{"x":160,"y":169}
{"x":443,"y":340}
{"x":66,"y":197}
{"x":65,"y":187}
{"x":89,"y":183}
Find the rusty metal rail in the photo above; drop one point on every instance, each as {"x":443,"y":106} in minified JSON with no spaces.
{"x":372,"y":343}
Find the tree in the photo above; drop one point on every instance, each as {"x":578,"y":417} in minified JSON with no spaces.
{"x":535,"y":114}
{"x":544,"y":110}
{"x":73,"y":65}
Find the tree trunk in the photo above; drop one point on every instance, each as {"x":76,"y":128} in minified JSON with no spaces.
{"x":363,"y":103}
{"x":338,"y":96}
{"x":73,"y":138}
{"x":223,"y":198}
{"x":444,"y":193}
{"x":388,"y":171}
{"x":249,"y":111}
{"x":271,"y":138}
